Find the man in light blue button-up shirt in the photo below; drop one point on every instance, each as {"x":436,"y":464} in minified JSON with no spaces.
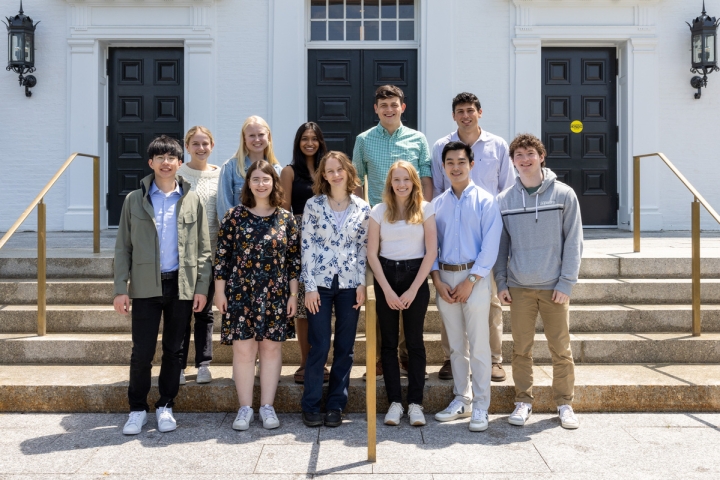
{"x":469,"y":226}
{"x":166,"y":223}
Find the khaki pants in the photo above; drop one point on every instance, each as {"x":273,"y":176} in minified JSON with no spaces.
{"x":496,"y":328}
{"x":526,"y":303}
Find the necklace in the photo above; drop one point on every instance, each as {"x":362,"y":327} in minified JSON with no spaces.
{"x":338,"y":204}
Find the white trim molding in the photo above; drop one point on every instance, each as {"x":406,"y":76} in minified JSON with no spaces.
{"x":96,"y":25}
{"x":628,"y":25}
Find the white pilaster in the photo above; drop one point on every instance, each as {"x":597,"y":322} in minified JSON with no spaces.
{"x":200,"y":99}
{"x":528,"y":86}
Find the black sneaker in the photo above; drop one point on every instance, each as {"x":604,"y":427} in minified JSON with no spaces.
{"x":333,"y":418}
{"x":312,"y":419}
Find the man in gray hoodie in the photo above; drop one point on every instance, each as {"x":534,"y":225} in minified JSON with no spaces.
{"x":537,"y":265}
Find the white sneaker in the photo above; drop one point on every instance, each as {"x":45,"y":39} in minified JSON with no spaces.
{"x":203,"y":375}
{"x":166,"y":421}
{"x":269,"y":417}
{"x":456,"y":409}
{"x":182,"y":377}
{"x":416,"y":415}
{"x":479,"y":420}
{"x":521,"y":413}
{"x":243,"y":419}
{"x":567,"y":417}
{"x":394,"y":414}
{"x":135,"y":423}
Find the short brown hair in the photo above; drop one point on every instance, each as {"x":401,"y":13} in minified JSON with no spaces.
{"x":389,"y":91}
{"x":527,"y":140}
{"x":276,"y":195}
{"x":322,"y":186}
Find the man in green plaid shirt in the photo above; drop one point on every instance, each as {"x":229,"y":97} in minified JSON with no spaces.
{"x":378,"y":148}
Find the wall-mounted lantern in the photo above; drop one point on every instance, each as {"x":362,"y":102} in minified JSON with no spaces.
{"x":703,"y":32}
{"x":21,"y":48}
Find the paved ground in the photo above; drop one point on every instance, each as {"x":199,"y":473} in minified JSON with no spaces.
{"x":607,"y":446}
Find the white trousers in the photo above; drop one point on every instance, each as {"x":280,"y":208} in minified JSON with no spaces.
{"x":468,"y":335}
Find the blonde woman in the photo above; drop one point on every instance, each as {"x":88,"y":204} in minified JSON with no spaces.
{"x":402,"y":246}
{"x":203,"y":179}
{"x":255,"y":144}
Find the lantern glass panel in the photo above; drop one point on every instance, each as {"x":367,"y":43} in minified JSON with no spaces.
{"x":697,"y":49}
{"x":709,"y":56}
{"x":16,"y":48}
{"x":29,"y":50}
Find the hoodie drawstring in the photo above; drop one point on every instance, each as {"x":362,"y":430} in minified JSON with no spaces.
{"x":522,"y":191}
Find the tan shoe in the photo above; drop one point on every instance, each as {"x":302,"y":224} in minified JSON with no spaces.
{"x":378,"y":371}
{"x":498,"y":374}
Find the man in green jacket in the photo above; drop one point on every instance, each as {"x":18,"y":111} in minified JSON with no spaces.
{"x":163,"y":251}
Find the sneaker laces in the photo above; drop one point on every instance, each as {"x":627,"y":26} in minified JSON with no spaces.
{"x":415,"y":409}
{"x":135,"y":417}
{"x":455,"y":405}
{"x":521,"y":409}
{"x":268,"y":412}
{"x":242,"y":413}
{"x":165,"y":414}
{"x":566,"y":412}
{"x":478,"y":414}
{"x":396,"y":408}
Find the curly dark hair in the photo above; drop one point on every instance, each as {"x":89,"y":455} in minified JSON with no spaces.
{"x":465,"y":97}
{"x":389,"y":91}
{"x":276,"y":195}
{"x":528,"y":140}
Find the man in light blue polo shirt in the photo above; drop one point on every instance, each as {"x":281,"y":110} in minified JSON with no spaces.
{"x":493,"y":172}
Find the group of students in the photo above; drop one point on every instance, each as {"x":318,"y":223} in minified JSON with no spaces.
{"x":282,"y":251}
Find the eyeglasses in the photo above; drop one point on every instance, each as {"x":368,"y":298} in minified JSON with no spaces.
{"x":260,"y":181}
{"x":165,"y":158}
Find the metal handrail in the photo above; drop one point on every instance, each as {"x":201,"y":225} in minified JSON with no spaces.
{"x":42,"y":245}
{"x":695,"y":215}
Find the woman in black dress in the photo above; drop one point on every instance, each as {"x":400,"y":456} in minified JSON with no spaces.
{"x":257,"y":265}
{"x":297,"y":182}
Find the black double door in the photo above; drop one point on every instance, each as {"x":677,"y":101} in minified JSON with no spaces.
{"x":341,"y":90}
{"x":579,"y":127}
{"x":145,"y":100}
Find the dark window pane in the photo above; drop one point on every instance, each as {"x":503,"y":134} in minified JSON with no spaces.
{"x":407,"y":9}
{"x":388,"y":9}
{"x":336,"y":9}
{"x":352,"y":30}
{"x":352,"y":9}
{"x":372,"y":30}
{"x":335,"y":31}
{"x":389,"y":30}
{"x":317,"y":31}
{"x":317,"y":9}
{"x":371,"y":9}
{"x":407,"y":30}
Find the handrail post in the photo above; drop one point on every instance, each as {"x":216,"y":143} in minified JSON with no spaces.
{"x":41,"y":272}
{"x":636,"y":204}
{"x":696,"y":327}
{"x":370,"y":354}
{"x":96,"y":204}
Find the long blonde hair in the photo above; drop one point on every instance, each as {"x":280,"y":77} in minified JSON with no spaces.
{"x":413,"y":208}
{"x":242,"y":150}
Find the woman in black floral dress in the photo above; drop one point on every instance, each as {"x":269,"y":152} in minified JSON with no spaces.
{"x":257,"y":265}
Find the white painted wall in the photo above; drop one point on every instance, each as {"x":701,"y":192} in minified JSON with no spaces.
{"x":254,"y":50}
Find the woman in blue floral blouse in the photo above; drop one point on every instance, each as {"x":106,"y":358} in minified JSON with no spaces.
{"x":334,"y":251}
{"x":257,"y":266}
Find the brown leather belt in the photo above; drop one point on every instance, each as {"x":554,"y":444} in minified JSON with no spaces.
{"x":456,"y":268}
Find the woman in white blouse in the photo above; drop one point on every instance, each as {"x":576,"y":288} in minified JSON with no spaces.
{"x":334,"y":252}
{"x":402,"y":246}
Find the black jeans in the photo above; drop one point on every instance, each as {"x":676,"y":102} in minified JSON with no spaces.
{"x":146,"y":314}
{"x":203,"y":333}
{"x":400,"y":275}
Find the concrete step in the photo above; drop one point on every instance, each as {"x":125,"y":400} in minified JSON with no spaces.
{"x":598,"y":388}
{"x":86,"y":265}
{"x":583,"y":318}
{"x":610,"y":348}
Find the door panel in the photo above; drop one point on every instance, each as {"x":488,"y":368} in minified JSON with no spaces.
{"x":341,"y":89}
{"x":145,"y":101}
{"x":579,"y":84}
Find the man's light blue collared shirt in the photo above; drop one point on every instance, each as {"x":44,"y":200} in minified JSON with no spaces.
{"x":166,"y":224}
{"x":468,"y":229}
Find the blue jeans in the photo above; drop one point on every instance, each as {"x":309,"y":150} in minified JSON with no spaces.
{"x":319,"y":335}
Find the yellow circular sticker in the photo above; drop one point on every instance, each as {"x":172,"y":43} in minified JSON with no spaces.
{"x":576,"y":126}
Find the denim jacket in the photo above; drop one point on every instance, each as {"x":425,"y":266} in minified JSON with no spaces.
{"x":328,"y":250}
{"x":230,"y":184}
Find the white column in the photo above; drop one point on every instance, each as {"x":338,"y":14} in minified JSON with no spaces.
{"x":84,"y":131}
{"x":287,"y":74}
{"x":200,"y":83}
{"x":643,"y":124}
{"x":527,"y":99}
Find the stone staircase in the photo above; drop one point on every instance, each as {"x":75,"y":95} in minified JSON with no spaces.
{"x":630,"y":322}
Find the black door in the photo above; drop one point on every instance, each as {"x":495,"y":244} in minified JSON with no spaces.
{"x":580,"y":127}
{"x":341,"y":90}
{"x":146,"y":100}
